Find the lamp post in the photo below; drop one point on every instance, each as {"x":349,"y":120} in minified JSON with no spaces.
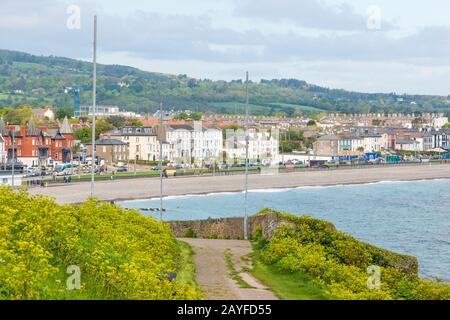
{"x":94,"y":101}
{"x":246,"y":162}
{"x":160,"y":161}
{"x":12,"y":134}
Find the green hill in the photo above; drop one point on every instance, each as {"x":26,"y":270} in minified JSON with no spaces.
{"x":39,"y":80}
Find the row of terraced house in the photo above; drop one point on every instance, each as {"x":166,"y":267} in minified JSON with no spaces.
{"x":187,"y":144}
{"x":354,"y":141}
{"x":34,"y":145}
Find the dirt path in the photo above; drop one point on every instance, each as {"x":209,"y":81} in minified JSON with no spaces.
{"x":213,"y":275}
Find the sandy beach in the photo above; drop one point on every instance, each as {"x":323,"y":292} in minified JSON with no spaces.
{"x":145,"y":188}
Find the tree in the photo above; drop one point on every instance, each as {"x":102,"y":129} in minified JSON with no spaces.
{"x":182,"y":116}
{"x":84,"y":135}
{"x":19,"y":115}
{"x":196,"y":116}
{"x":134,"y":123}
{"x":61,"y":113}
{"x":311,"y":123}
{"x":102,"y":126}
{"x":116,"y":121}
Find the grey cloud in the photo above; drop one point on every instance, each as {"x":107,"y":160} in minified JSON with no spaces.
{"x":182,"y":37}
{"x":306,"y":13}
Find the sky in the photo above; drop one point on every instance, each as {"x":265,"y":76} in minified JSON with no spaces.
{"x":365,"y":45}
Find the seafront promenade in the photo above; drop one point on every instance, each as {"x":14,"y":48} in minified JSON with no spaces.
{"x":144,"y":188}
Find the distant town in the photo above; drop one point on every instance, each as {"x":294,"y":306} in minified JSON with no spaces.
{"x":48,"y":143}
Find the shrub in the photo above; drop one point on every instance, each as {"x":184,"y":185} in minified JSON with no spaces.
{"x":190,"y":233}
{"x":339,"y":262}
{"x":121,"y":254}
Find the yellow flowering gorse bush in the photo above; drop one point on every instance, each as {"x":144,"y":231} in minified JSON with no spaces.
{"x":339,"y":262}
{"x":121,"y":254}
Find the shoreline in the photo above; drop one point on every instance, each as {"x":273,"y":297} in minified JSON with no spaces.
{"x":148,"y":188}
{"x":277,"y":189}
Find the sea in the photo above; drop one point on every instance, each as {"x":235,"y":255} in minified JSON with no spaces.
{"x":409,"y":217}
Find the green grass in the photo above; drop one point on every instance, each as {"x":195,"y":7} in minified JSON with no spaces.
{"x":186,"y":267}
{"x":288,"y":286}
{"x":239,"y":107}
{"x":234,"y":274}
{"x":301,"y":108}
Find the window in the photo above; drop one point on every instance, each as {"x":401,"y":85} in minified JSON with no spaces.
{"x":104,"y":149}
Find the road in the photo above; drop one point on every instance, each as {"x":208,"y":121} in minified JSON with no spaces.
{"x":144,"y":188}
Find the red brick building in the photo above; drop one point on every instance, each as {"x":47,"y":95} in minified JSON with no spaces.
{"x":35,"y":146}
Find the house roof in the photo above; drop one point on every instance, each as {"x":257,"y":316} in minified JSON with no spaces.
{"x":138,"y":131}
{"x":328,"y":137}
{"x":41,"y":112}
{"x":109,"y":142}
{"x":66,"y":128}
{"x":405,"y":141}
{"x":31,"y":129}
{"x":181,"y":127}
{"x":2,"y":127}
{"x":58,"y":136}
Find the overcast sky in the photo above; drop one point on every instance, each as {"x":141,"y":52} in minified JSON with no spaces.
{"x":372,"y":46}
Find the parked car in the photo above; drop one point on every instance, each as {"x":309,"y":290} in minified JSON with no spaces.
{"x":33,"y":172}
{"x":122,"y":169}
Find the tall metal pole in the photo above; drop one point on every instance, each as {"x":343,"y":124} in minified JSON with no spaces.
{"x":13,"y":137}
{"x":246,"y":162}
{"x":94,"y":101}
{"x":160,"y":162}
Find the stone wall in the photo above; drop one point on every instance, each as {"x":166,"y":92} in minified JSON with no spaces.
{"x":267,"y":224}
{"x":229,"y":228}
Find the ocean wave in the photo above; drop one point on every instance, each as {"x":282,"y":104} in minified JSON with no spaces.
{"x":279,"y":190}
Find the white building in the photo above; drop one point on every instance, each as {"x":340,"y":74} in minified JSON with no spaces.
{"x":375,"y":142}
{"x":194,"y":144}
{"x":263,"y":145}
{"x":44,"y":113}
{"x":106,"y":111}
{"x":6,"y":178}
{"x":439,"y":122}
{"x":350,"y":143}
{"x":407,"y":145}
{"x":2,"y":150}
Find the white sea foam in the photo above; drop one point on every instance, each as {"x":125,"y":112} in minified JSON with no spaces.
{"x":280,"y":190}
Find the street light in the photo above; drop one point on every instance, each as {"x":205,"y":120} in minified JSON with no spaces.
{"x":94,"y":101}
{"x":12,"y":134}
{"x":246,"y":162}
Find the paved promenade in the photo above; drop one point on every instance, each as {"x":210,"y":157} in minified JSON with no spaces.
{"x":149,"y":187}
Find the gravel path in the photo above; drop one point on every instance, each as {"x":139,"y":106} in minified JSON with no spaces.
{"x":213,"y":274}
{"x":144,"y":188}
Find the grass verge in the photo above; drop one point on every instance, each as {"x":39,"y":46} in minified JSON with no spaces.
{"x":285,"y":285}
{"x":186,"y":266}
{"x":288,"y":286}
{"x":234,"y":274}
